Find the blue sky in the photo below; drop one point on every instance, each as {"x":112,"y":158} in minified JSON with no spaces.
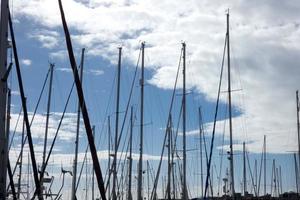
{"x":264,"y":38}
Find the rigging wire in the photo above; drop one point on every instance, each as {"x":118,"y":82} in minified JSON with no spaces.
{"x":106,"y":111}
{"x":168,"y":121}
{"x":35,"y":110}
{"x":252,"y":179}
{"x":127,"y":108}
{"x":260,"y":170}
{"x":55,"y":137}
{"x":82,"y":166}
{"x":222,"y":151}
{"x":15,"y":129}
{"x":81,"y":99}
{"x":122,"y":152}
{"x":30,"y":143}
{"x":215,"y":121}
{"x":34,"y":113}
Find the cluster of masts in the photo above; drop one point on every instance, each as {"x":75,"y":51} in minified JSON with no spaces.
{"x":109,"y":189}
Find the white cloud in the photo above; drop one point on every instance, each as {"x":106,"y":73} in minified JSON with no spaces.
{"x":252,"y":133}
{"x":95,"y":72}
{"x":26,"y":62}
{"x":64,"y":69}
{"x":60,"y":55}
{"x":66,"y":159}
{"x":264,"y":38}
{"x":48,"y":38}
{"x":66,"y":132}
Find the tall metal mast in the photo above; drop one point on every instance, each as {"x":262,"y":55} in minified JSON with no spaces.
{"x":121,"y":184}
{"x":93,"y":173}
{"x":298,"y":126}
{"x":83,"y":107}
{"x":93,"y":184}
{"x":274,"y":179}
{"x":172,"y":162}
{"x":3,"y":97}
{"x":255,"y":175}
{"x":280,"y":175}
{"x":169,"y":159}
{"x":48,"y":113}
{"x":230,"y":111}
{"x":148,"y":179}
{"x":296,"y":174}
{"x":109,"y":146}
{"x":265,"y":166}
{"x":28,"y":174}
{"x":244,"y":170}
{"x":21,"y":163}
{"x":114,"y":195}
{"x":74,"y":178}
{"x":86,"y":178}
{"x":201,"y":160}
{"x":129,"y":194}
{"x":38,"y":190}
{"x":184,"y":189}
{"x":140,"y":165}
{"x":8,"y":116}
{"x":278,"y":181}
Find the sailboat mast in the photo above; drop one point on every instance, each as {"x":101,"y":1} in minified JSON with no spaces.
{"x":129,"y":197}
{"x":244,"y":170}
{"x":21,"y":163}
{"x":38,"y":190}
{"x":296,"y":174}
{"x":47,"y":117}
{"x":74,"y":178}
{"x":114,"y":195}
{"x":201,"y":161}
{"x":109,"y":146}
{"x":255,"y":174}
{"x":48,"y":112}
{"x":86,"y":178}
{"x":265,"y":166}
{"x":140,"y":169}
{"x":274,"y":178}
{"x":184,"y":189}
{"x":230,"y":111}
{"x":280,"y":179}
{"x":93,"y":184}
{"x":121,"y":182}
{"x":173,"y":191}
{"x":169,"y":159}
{"x":8,"y":116}
{"x":28,"y":174}
{"x":3,"y":97}
{"x":148,"y":179}
{"x":93,"y":173}
{"x":298,"y":126}
{"x":277,"y":181}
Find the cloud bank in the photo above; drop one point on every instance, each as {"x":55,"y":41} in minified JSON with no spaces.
{"x":264,"y":38}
